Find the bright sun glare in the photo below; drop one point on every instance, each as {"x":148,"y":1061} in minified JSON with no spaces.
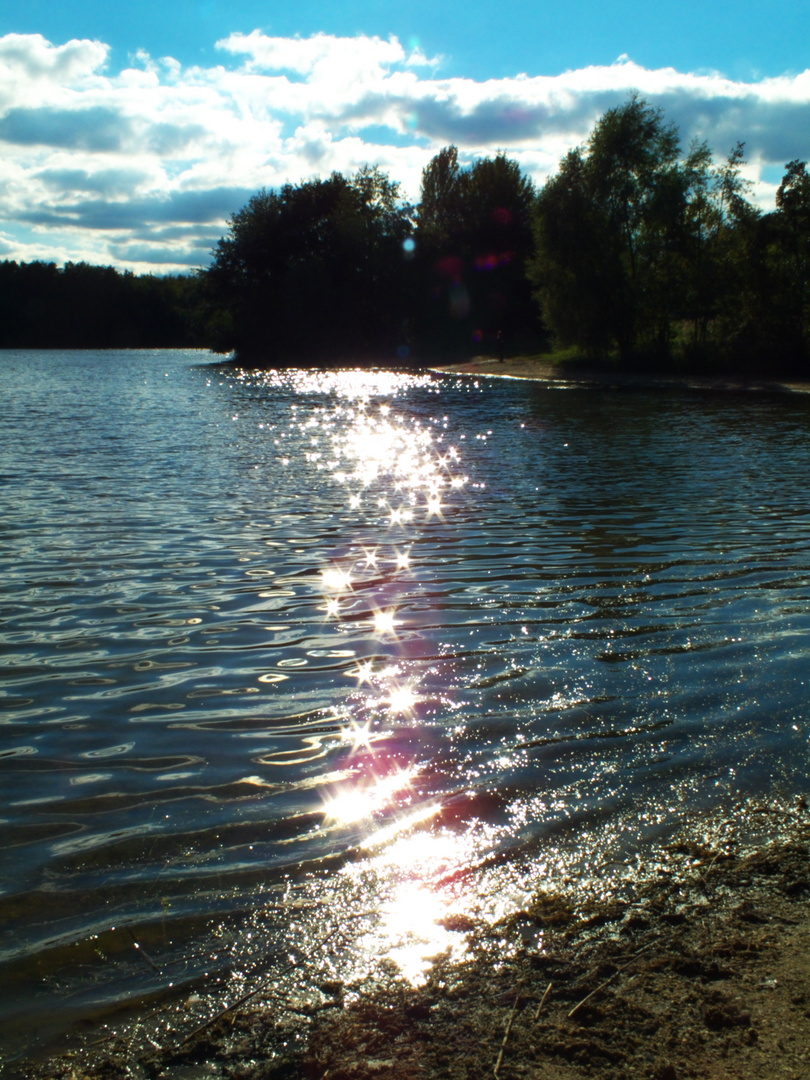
{"x":384,"y":622}
{"x":401,"y":700}
{"x":411,"y":861}
{"x":335,"y":578}
{"x":363,"y":798}
{"x":399,"y":478}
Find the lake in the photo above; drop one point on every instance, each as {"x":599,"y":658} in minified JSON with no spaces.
{"x":287,"y":653}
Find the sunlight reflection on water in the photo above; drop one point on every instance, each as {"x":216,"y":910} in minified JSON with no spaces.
{"x":401,"y":649}
{"x":399,"y":475}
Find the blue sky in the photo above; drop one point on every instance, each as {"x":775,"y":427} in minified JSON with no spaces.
{"x":130,"y":131}
{"x":745,"y":39}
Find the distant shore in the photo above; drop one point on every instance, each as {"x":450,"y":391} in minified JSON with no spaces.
{"x":541,"y":369}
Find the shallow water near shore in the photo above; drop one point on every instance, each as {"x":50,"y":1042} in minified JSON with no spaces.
{"x":286,"y":649}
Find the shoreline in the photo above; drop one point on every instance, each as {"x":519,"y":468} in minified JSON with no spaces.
{"x":700,"y":970}
{"x":536,"y":369}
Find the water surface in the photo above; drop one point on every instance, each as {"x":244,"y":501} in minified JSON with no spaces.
{"x":280,"y":648}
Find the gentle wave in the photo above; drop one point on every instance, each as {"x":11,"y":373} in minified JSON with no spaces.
{"x":253,"y":621}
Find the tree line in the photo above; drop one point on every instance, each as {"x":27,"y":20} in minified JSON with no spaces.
{"x":651,"y":254}
{"x":636,"y":249}
{"x":342,"y":268}
{"x":95,"y":307}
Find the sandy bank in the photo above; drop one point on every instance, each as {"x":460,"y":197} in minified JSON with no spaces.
{"x":540,"y":370}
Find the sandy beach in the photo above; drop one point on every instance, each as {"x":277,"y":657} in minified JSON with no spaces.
{"x":538,"y":369}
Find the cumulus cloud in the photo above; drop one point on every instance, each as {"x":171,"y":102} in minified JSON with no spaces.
{"x":320,"y":55}
{"x":111,"y":182}
{"x":160,"y":257}
{"x":198,"y":207}
{"x":143,"y":166}
{"x":31,"y":57}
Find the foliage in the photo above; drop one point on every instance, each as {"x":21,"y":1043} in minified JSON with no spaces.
{"x":607,"y":231}
{"x":336,"y":269}
{"x":312,"y":271}
{"x":644,"y":252}
{"x":474,"y":237}
{"x":94,"y":307}
{"x":792,"y":244}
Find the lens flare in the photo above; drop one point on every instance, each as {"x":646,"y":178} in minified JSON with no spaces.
{"x":434,"y":507}
{"x":370,"y":556}
{"x":400,"y":516}
{"x":401,"y":700}
{"x":363,"y":673}
{"x":357,"y":736}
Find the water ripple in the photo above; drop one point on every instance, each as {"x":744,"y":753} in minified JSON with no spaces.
{"x":255,"y":624}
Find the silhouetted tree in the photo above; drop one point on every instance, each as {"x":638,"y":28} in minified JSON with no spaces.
{"x":793,"y":222}
{"x":439,"y":212}
{"x":576,"y":268}
{"x":608,"y":228}
{"x":474,"y":237}
{"x":312,"y":272}
{"x":639,"y":249}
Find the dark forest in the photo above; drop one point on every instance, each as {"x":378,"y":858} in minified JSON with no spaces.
{"x":94,"y":307}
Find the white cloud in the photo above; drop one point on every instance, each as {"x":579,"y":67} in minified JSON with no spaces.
{"x":321,"y":55}
{"x":104,"y":165}
{"x":31,"y":57}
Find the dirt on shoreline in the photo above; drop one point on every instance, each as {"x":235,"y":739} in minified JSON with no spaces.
{"x":702,"y":971}
{"x":536,"y":369}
